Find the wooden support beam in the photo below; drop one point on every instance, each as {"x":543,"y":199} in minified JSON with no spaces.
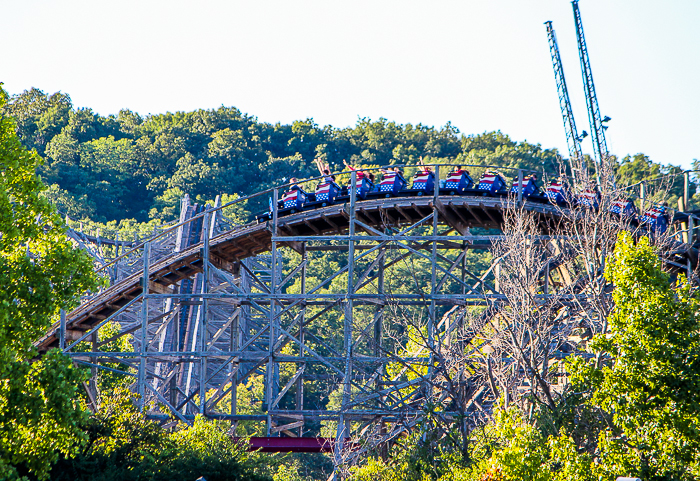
{"x":475,"y":215}
{"x":451,"y":219}
{"x":287,"y":427}
{"x":331,"y":223}
{"x":73,"y":334}
{"x":312,"y":227}
{"x":220,"y":262}
{"x":158,"y":288}
{"x":403,"y":213}
{"x":488,"y":214}
{"x":458,"y":213}
{"x":385,"y":213}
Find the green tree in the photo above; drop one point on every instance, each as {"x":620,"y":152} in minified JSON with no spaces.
{"x":650,"y":380}
{"x":40,"y":273}
{"x":39,"y":116}
{"x":122,"y":445}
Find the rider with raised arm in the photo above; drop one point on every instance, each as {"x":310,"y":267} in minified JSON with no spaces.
{"x":324,"y":170}
{"x":359,"y":174}
{"x":426,"y":169}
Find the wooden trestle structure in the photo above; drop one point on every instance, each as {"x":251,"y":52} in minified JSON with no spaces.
{"x":208,"y":304}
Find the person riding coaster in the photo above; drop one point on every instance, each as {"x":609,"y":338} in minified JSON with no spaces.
{"x":424,"y":179}
{"x":326,"y":190}
{"x":363,"y":181}
{"x":295,"y":197}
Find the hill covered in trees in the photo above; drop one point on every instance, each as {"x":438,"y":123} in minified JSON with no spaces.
{"x":126,"y":166}
{"x":632,"y":403}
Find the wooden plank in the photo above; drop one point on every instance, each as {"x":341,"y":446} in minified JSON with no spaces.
{"x":488,"y":214}
{"x":451,"y":219}
{"x":159,"y":288}
{"x":286,"y":427}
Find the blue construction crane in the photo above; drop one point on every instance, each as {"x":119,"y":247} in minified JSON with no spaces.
{"x":600,"y":146}
{"x":573,"y":140}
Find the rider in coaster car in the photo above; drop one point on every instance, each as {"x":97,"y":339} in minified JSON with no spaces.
{"x":391,"y":170}
{"x":358,"y":173}
{"x":293,"y":181}
{"x":325,"y":170}
{"x":458,"y":170}
{"x":426,"y":169}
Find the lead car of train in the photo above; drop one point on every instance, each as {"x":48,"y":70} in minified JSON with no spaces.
{"x":459,"y":182}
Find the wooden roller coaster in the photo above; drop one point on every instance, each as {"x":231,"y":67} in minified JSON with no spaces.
{"x":208,"y":305}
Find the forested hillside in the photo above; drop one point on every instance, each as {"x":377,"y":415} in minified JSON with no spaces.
{"x":126,"y":166}
{"x":128,"y":169}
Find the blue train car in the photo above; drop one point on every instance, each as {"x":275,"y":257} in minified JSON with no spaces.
{"x":392,"y":183}
{"x":655,"y":219}
{"x":623,"y":208}
{"x":362,"y":184}
{"x":423,"y":181}
{"x":558,"y":193}
{"x":589,"y":198}
{"x":491,"y":182}
{"x":294,"y":198}
{"x":327,"y":191}
{"x":458,"y":181}
{"x":529,"y":186}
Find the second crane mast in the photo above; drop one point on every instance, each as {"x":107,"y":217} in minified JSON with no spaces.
{"x":600,"y":146}
{"x":573,"y":141}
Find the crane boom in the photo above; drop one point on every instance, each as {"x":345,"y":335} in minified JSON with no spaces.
{"x":572,"y":138}
{"x":600,"y":146}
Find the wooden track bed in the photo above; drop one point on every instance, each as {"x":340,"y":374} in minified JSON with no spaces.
{"x":459,"y":212}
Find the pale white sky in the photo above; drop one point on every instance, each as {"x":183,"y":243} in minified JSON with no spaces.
{"x":482,"y":65}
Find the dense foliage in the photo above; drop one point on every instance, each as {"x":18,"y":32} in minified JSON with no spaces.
{"x":40,"y":273}
{"x":122,"y":445}
{"x":633,"y":413}
{"x":127,"y":166}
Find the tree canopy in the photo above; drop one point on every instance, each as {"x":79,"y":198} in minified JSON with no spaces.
{"x":40,"y":273}
{"x":128,"y":166}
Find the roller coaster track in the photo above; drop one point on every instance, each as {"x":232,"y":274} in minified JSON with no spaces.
{"x":458,"y":212}
{"x":209,"y":306}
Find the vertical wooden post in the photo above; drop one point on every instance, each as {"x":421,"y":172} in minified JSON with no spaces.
{"x":92,"y":384}
{"x":497,"y":275}
{"x":141,"y":388}
{"x":300,"y":381}
{"x":684,"y":225}
{"x":62,"y":331}
{"x":203,"y":326}
{"x":686,"y":202}
{"x":270,"y":371}
{"x":520,"y":187}
{"x":433,"y":272}
{"x":343,"y":429}
{"x":235,"y":344}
